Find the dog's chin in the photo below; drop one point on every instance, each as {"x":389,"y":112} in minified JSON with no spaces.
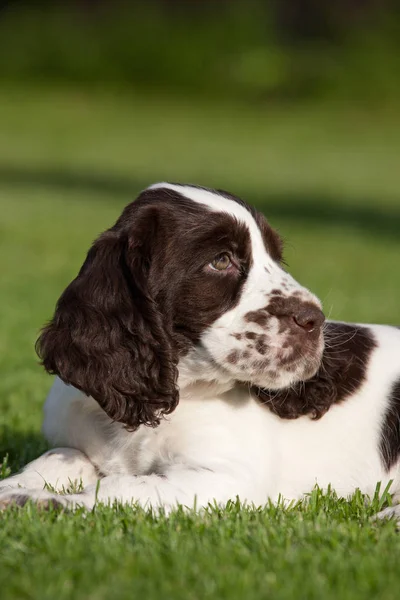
{"x":308,"y":371}
{"x":288,"y":376}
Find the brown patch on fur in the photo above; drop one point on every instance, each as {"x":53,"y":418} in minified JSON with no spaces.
{"x":260,"y":345}
{"x":272,"y":374}
{"x":237,"y":336}
{"x":250,"y":335}
{"x":259,"y":317}
{"x":261,"y":364}
{"x":390,"y":432}
{"x":286,"y":324}
{"x":233,"y":357}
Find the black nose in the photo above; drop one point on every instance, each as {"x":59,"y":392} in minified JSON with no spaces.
{"x":309,"y":317}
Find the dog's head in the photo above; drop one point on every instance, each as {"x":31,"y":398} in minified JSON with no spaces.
{"x":186,"y":287}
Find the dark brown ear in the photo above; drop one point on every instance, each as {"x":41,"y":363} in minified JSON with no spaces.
{"x":108,"y":337}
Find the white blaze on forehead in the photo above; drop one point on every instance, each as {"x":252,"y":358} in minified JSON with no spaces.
{"x":218,"y":203}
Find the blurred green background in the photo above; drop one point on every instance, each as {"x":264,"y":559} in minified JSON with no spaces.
{"x":293,"y":104}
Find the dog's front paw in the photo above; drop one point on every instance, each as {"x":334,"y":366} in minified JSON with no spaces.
{"x":42,"y":499}
{"x":392,"y":512}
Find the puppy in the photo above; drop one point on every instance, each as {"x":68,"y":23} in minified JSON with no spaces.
{"x":192,"y":368}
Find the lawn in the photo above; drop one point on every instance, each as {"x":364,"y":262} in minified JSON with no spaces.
{"x":327,"y":177}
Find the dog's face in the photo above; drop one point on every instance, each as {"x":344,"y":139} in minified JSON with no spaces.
{"x":188,"y":282}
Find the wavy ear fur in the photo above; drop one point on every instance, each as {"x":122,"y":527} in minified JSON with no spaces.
{"x":108,"y":338}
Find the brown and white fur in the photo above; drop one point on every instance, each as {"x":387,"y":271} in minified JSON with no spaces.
{"x":192,"y":368}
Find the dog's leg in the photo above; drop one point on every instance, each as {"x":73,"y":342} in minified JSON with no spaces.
{"x":192,"y":488}
{"x":391,"y":512}
{"x":59,"y":468}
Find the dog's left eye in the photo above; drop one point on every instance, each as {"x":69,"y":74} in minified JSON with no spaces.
{"x":221,"y":262}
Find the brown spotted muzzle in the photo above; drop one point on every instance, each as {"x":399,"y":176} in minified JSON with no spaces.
{"x":301,"y":315}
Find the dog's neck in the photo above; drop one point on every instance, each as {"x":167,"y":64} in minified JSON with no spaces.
{"x":200,"y":376}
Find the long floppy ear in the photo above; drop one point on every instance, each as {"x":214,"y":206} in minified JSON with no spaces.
{"x":108,"y":337}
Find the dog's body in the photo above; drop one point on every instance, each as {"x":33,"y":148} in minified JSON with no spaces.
{"x":269,"y":406}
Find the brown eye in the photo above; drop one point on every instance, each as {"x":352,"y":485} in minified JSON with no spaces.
{"x":221,"y":262}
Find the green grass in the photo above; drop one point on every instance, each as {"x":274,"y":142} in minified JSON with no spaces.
{"x":328,"y":178}
{"x":329,"y":550}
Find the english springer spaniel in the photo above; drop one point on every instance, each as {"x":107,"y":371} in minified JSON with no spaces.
{"x":193,"y":369}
